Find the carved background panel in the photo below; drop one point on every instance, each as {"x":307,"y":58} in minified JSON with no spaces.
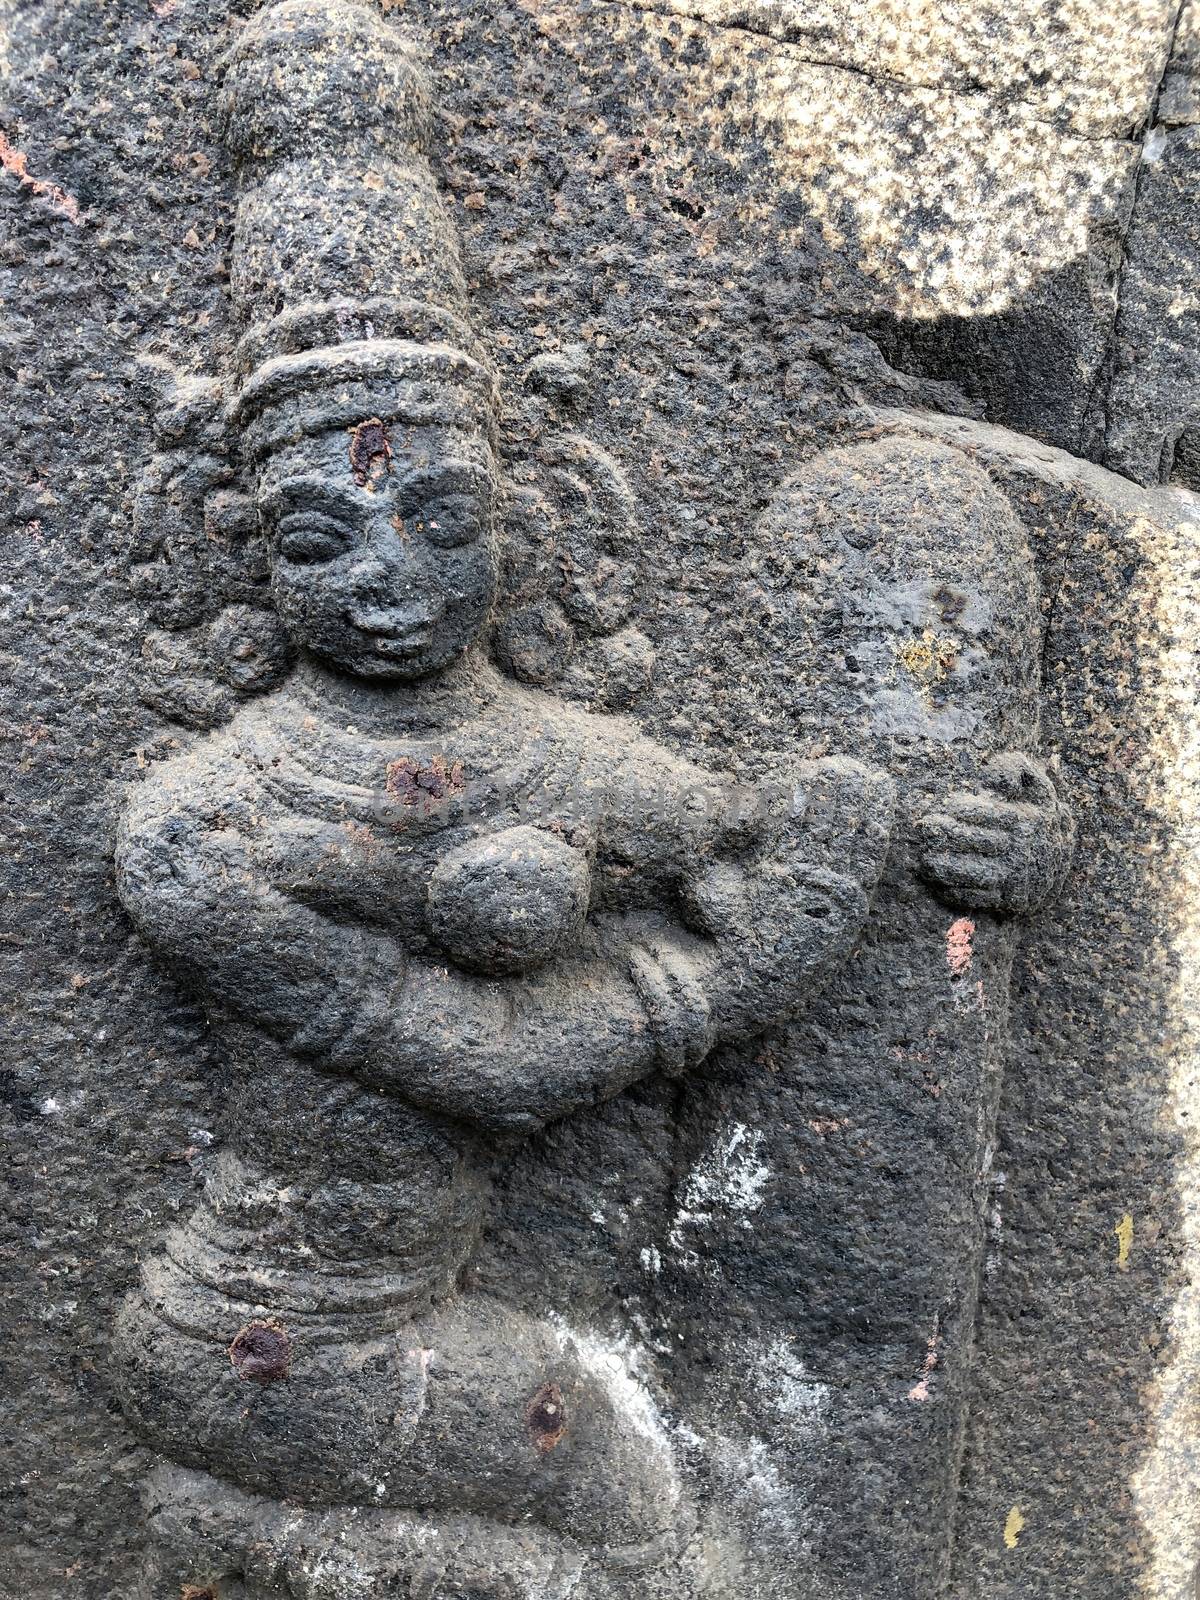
{"x":593,"y":1072}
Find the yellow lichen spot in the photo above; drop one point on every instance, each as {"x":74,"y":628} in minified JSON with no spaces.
{"x":1124,"y":1235}
{"x":1013,"y":1524}
{"x":929,"y":658}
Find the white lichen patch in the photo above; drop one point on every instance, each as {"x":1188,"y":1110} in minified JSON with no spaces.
{"x":616,"y":1361}
{"x":1153,"y":145}
{"x":757,"y":1500}
{"x":335,"y":1574}
{"x":798,"y":1398}
{"x":728,"y":1183}
{"x":998,"y":1183}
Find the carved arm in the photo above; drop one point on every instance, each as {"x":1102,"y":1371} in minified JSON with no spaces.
{"x":642,"y":994}
{"x":647,"y":994}
{"x":498,"y":1053}
{"x":187,"y":877}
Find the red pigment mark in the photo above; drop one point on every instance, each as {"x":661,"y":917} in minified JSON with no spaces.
{"x":414,"y":785}
{"x":958,"y":945}
{"x":17,"y":162}
{"x":261,"y":1352}
{"x":545,"y":1419}
{"x":920,"y":1390}
{"x":370,"y":451}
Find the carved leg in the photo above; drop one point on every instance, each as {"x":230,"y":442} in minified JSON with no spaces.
{"x":198,"y":1531}
{"x":210,"y":1541}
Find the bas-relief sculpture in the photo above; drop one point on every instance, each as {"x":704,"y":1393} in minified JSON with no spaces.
{"x":431,"y":905}
{"x":901,"y":577}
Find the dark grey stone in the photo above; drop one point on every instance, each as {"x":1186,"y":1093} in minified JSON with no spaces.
{"x":597,"y":891}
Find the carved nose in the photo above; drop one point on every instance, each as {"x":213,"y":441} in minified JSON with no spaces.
{"x":375,"y":580}
{"x":387,"y":596}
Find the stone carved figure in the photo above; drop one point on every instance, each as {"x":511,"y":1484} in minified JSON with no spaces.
{"x":429,"y":907}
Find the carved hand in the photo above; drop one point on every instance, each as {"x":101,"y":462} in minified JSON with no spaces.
{"x":643,"y":994}
{"x":1005,"y":846}
{"x":778,"y":925}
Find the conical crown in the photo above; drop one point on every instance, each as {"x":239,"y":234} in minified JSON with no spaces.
{"x":346,"y":277}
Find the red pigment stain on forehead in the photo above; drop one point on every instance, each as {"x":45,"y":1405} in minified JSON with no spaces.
{"x":370,"y":451}
{"x":958,"y":945}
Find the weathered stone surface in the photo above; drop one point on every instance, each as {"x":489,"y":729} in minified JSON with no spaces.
{"x":417,"y":1187}
{"x":1084,"y":1366}
{"x":1150,"y":409}
{"x":1090,"y":70}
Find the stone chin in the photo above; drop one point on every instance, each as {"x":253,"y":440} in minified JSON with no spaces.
{"x":365,"y":660}
{"x":409,"y":640}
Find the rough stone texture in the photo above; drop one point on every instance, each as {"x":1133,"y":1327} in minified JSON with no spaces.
{"x":1087,"y":70}
{"x":1150,"y":409}
{"x":1044,"y":360}
{"x":1085,"y":1346}
{"x":674,"y":231}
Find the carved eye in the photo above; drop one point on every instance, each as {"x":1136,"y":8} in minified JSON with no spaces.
{"x":309,"y":537}
{"x":452,"y":519}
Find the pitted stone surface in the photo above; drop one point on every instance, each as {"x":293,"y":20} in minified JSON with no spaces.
{"x":661,"y":1111}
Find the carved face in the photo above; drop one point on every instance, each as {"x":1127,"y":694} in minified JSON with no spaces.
{"x":382,"y":545}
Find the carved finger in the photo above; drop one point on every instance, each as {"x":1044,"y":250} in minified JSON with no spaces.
{"x":867,"y":853}
{"x":845,"y":802}
{"x":716,"y":901}
{"x":820,"y":795}
{"x":982,"y":878}
{"x":949,"y":834}
{"x":670,"y":985}
{"x":853,"y":824}
{"x":986,"y":811}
